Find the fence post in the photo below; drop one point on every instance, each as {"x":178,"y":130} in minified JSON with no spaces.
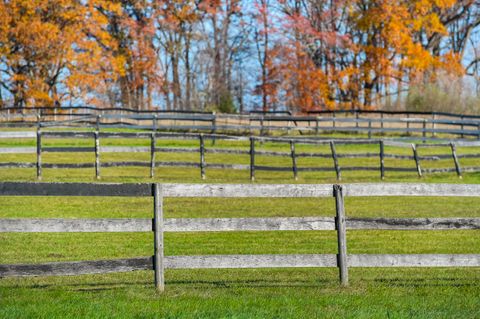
{"x":317,"y":126}
{"x":462,"y":127}
{"x":294,"y":160}
{"x":214,"y":127}
{"x":356,"y":119}
{"x":382,"y":160}
{"x":262,"y":119}
{"x":39,"y":153}
{"x":408,"y":124}
{"x":434,"y":117}
{"x":97,"y":155}
{"x":369,"y":128}
{"x":424,"y":132}
{"x":381,"y":121}
{"x":158,"y":265}
{"x":455,"y":159}
{"x":252,"y":158}
{"x":417,"y":160}
{"x":99,"y":116}
{"x":334,"y":124}
{"x":340,"y":226}
{"x":478,"y":130}
{"x":154,"y":123}
{"x":153,"y":143}
{"x":335,"y":160}
{"x":202,"y":156}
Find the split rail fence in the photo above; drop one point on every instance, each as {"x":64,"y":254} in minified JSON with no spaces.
{"x":159,"y":262}
{"x":251,"y":151}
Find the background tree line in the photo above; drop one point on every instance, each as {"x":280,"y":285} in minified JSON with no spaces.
{"x":233,"y":55}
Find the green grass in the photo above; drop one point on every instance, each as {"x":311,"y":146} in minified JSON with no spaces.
{"x":236,"y":293}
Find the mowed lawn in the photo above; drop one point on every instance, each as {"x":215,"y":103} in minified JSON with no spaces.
{"x":234,"y":293}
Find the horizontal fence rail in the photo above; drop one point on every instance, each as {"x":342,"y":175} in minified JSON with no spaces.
{"x":158,"y":224}
{"x":422,"y":124}
{"x":250,"y":148}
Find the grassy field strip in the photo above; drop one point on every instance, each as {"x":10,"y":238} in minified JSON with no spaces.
{"x":228,"y":293}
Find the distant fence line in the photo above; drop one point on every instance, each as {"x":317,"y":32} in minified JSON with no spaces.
{"x":159,"y":262}
{"x":421,"y":124}
{"x":251,"y":151}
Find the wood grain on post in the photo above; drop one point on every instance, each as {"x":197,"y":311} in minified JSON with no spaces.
{"x":335,"y":160}
{"x":97,"y":155}
{"x":39,"y":153}
{"x":152,"y":154}
{"x":294,"y":160}
{"x":382,"y":160}
{"x":455,"y":160}
{"x":202,"y":156}
{"x":158,"y":264}
{"x":340,"y":226}
{"x":252,"y":158}
{"x":417,"y":160}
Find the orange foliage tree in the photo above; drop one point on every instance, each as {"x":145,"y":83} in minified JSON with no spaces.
{"x":52,"y":51}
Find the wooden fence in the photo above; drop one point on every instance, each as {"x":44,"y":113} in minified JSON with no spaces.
{"x":252,"y":151}
{"x":340,"y":223}
{"x":426,"y":125}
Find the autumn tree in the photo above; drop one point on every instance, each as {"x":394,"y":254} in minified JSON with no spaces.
{"x":51,"y":52}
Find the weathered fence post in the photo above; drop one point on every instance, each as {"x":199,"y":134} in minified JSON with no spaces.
{"x":214,"y":127}
{"x":478,"y":131}
{"x":97,"y":155}
{"x":158,"y":265}
{"x":424,"y":131}
{"x":154,"y":123}
{"x":381,"y":122}
{"x":417,"y":160}
{"x":434,"y":117}
{"x":455,"y":159}
{"x":340,"y":226}
{"x":335,"y":160}
{"x":99,"y":116}
{"x":202,"y":156}
{"x":356,"y":119}
{"x":153,"y":143}
{"x":262,"y":119}
{"x":408,"y":124}
{"x":334,"y":120}
{"x":462,"y":127}
{"x":369,"y":128}
{"x":294,"y":160}
{"x":317,"y":126}
{"x":382,"y":160}
{"x":39,"y":153}
{"x":252,"y":158}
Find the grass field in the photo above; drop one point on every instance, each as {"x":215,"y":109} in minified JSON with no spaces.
{"x":257,"y":293}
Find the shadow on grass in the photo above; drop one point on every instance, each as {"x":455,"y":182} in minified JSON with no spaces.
{"x":220,"y":284}
{"x":427,"y":282}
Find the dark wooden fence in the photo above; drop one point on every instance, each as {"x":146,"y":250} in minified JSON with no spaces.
{"x":158,"y":224}
{"x":252,"y":151}
{"x":420,"y":124}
